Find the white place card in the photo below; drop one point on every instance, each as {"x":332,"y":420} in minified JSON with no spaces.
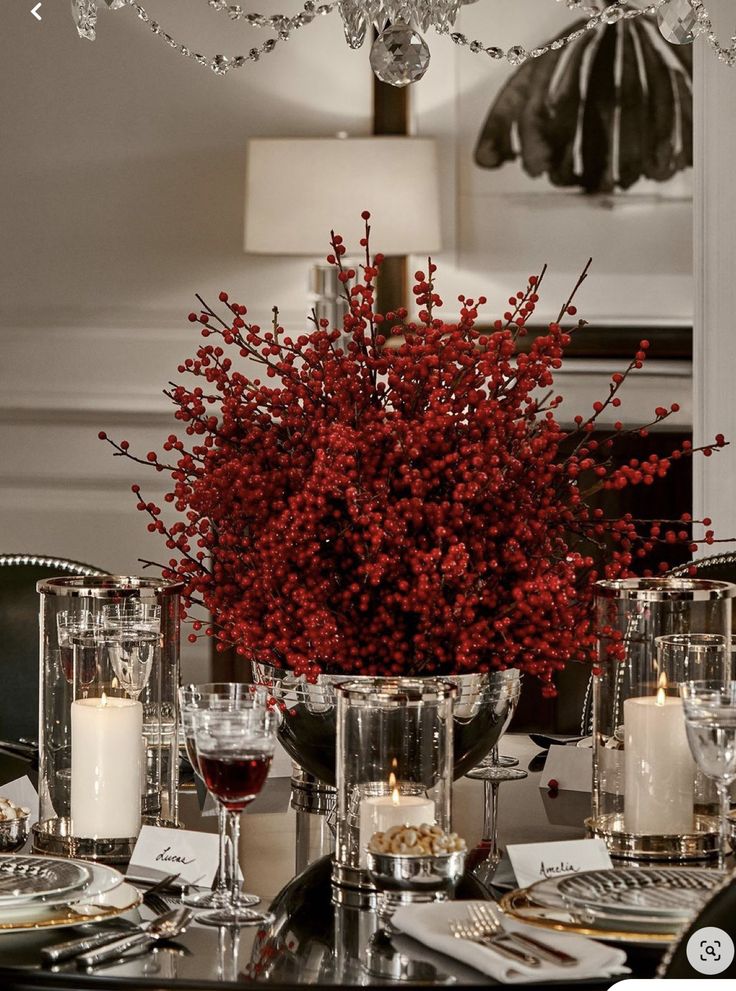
{"x":536,"y":861}
{"x":193,"y":856}
{"x":570,"y":767}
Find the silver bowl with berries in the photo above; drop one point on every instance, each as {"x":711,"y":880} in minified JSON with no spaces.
{"x":14,"y":821}
{"x":415,"y":864}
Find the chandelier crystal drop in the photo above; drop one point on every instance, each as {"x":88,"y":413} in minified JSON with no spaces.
{"x":678,"y":22}
{"x":400,"y":55}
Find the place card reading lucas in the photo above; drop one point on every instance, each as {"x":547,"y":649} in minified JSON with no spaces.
{"x":535,"y":861}
{"x":191,"y":855}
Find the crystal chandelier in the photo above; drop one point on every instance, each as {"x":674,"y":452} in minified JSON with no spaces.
{"x":399,"y":53}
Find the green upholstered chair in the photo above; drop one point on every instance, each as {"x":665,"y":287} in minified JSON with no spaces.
{"x":19,"y":637}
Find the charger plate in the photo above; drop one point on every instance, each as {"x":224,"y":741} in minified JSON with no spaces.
{"x":107,"y":905}
{"x":520,"y":905}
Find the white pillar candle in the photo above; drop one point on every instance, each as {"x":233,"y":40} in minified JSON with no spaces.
{"x":380,"y":812}
{"x":659,"y":771}
{"x":106,"y":767}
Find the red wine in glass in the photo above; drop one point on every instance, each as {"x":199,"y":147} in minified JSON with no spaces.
{"x":190,"y":743}
{"x":235,"y":780}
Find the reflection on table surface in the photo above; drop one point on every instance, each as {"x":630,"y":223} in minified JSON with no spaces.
{"x":312,"y":941}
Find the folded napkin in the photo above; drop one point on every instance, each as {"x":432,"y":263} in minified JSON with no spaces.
{"x":430,"y":924}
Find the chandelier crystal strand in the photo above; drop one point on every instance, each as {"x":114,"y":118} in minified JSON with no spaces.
{"x":403,"y":17}
{"x":221,"y":64}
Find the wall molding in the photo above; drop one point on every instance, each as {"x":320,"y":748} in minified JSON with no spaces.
{"x":714,"y":341}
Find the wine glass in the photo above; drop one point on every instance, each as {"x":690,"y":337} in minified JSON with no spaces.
{"x":131,"y":631}
{"x":485,"y":858}
{"x":78,"y":645}
{"x":710,"y":722}
{"x":213,"y":695}
{"x":234,"y":749}
{"x":685,"y":657}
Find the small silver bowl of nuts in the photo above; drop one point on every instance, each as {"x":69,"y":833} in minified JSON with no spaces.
{"x":13,"y":826}
{"x":415,"y":864}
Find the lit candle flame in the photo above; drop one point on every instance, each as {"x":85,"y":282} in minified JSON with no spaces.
{"x":103,"y":700}
{"x":662,"y":689}
{"x":393,"y":789}
{"x":115,"y":684}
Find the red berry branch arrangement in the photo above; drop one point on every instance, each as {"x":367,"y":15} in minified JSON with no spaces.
{"x":396,"y":497}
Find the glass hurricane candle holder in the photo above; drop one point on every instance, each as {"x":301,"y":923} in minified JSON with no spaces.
{"x":654,"y":634}
{"x":109,"y":673}
{"x":394,"y":767}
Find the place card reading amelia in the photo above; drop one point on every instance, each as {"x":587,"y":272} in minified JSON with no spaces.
{"x":535,"y":861}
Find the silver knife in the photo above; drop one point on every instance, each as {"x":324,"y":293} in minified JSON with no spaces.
{"x":166,"y":926}
{"x":60,"y":952}
{"x":543,"y":950}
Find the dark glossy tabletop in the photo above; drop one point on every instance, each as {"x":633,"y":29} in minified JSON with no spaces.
{"x":311,"y":941}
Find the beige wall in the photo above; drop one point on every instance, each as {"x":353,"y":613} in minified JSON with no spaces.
{"x":121,"y":193}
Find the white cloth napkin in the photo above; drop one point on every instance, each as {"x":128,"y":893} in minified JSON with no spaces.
{"x":430,"y":924}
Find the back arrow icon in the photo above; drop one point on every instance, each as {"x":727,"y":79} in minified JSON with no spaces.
{"x":35,"y":11}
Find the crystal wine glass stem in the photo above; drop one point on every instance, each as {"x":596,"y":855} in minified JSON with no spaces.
{"x":223,"y":877}
{"x":724,"y":801}
{"x":490,"y":818}
{"x":235,"y":839}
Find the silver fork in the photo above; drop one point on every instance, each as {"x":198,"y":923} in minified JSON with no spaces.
{"x":470,"y":931}
{"x":485,"y":917}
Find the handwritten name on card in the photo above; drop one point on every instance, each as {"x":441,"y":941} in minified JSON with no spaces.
{"x":535,"y":861}
{"x":193,"y":856}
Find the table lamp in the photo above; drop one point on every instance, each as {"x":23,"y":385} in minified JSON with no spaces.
{"x":298,"y":189}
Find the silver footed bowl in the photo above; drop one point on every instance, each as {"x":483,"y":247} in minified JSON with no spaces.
{"x":483,"y":709}
{"x":430,"y":874}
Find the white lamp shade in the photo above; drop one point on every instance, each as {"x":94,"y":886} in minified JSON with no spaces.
{"x":298,"y":189}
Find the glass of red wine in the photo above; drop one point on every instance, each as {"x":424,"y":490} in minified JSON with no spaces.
{"x":215,"y":695}
{"x":234,"y":749}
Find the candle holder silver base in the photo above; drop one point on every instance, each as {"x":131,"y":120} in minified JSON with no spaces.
{"x":53,"y":837}
{"x":701,"y":844}
{"x":352,"y":887}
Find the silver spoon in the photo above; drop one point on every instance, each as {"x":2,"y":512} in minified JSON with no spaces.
{"x":167,"y":926}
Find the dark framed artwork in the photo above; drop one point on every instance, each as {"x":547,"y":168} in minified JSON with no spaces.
{"x":582,"y":153}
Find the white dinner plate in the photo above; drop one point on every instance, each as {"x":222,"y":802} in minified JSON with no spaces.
{"x":655,"y":893}
{"x":103,"y":880}
{"x":121,"y":899}
{"x":27,"y":878}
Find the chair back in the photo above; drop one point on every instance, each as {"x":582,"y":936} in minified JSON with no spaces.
{"x":19,"y":608}
{"x":718,"y":913}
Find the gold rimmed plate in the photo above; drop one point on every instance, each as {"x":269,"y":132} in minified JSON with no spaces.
{"x":107,"y":905}
{"x":520,"y":905}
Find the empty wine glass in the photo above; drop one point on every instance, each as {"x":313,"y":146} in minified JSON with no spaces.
{"x":213,"y":695}
{"x":131,"y":631}
{"x":234,"y":749}
{"x":78,"y":645}
{"x":710,"y":722}
{"x":685,"y":657}
{"x":485,"y":858}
